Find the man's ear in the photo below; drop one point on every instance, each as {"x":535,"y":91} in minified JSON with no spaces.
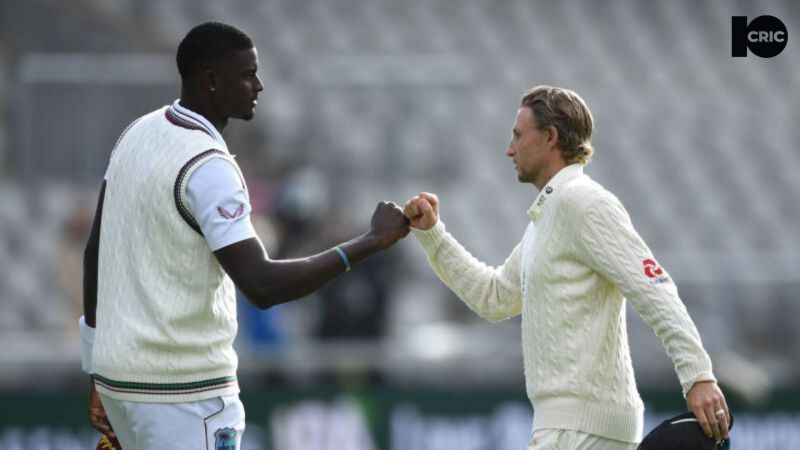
{"x":552,"y":135}
{"x":210,"y":80}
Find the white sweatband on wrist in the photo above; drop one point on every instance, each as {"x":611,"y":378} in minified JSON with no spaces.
{"x":87,"y":344}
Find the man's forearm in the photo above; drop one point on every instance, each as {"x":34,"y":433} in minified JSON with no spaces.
{"x":267,"y":282}
{"x":492,"y":293}
{"x":297,"y":278}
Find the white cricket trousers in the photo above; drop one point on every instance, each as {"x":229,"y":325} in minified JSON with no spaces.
{"x":213,"y":424}
{"x":555,"y":439}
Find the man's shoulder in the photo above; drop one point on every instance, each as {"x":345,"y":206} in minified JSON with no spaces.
{"x":134,"y":130}
{"x":160,"y":124}
{"x":144,"y":122}
{"x":153,"y":115}
{"x":580,"y":193}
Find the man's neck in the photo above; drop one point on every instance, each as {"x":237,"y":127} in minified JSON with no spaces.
{"x":201,"y":108}
{"x":546,"y":175}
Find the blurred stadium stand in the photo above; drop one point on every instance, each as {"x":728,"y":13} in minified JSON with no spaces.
{"x":384,"y":99}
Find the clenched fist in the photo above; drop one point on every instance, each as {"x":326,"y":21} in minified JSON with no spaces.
{"x":422,"y":210}
{"x":388,"y":224}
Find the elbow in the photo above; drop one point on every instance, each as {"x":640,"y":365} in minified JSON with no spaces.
{"x":263,"y":305}
{"x":258,"y":298}
{"x":265,"y":292}
{"x":490,"y":310}
{"x":262,"y":297}
{"x":496,"y":313}
{"x":495,"y":316}
{"x":487,"y":314}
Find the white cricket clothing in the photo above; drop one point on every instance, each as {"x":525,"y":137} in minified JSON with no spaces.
{"x":554,"y":439}
{"x":215,"y":192}
{"x":214,"y":189}
{"x":87,"y":345}
{"x":177,"y":426}
{"x":166,"y":310}
{"x":579,"y":259}
{"x":186,"y":114}
{"x":218,"y":201}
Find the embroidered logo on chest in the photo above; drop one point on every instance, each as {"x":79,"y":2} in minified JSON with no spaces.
{"x":231,"y":215}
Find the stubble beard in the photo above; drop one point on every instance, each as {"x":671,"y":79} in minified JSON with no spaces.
{"x":523,"y":177}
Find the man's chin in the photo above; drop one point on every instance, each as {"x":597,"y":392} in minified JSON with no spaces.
{"x":522,"y":178}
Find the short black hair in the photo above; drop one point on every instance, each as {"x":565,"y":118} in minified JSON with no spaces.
{"x":209,"y":41}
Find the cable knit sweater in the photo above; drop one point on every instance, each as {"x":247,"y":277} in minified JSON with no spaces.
{"x":166,"y":310}
{"x":579,"y":259}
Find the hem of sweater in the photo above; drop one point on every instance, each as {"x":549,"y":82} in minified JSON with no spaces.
{"x":159,"y":388}
{"x":175,"y":398}
{"x":621,"y":424}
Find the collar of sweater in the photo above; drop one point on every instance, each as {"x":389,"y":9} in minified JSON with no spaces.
{"x":186,"y":114}
{"x":566,"y":174}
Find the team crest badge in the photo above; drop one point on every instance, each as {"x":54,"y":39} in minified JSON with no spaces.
{"x":225,"y":439}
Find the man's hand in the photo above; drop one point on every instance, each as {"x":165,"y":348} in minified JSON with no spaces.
{"x":705,"y":400}
{"x":422,"y":210}
{"x":97,"y":415}
{"x":388,"y":224}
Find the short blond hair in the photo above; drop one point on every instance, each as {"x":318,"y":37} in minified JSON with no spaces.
{"x":567,"y":112}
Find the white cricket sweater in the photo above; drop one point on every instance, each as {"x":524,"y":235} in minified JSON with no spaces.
{"x":579,"y":259}
{"x":166,"y":310}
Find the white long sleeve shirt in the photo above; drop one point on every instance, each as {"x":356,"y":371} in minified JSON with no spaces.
{"x":579,"y":259}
